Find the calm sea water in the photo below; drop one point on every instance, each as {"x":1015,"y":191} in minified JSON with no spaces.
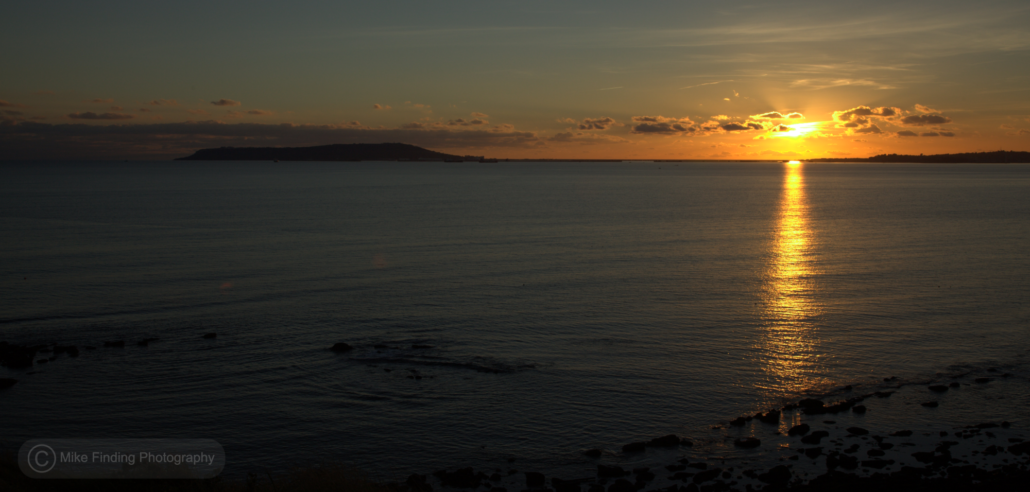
{"x":567,"y":305}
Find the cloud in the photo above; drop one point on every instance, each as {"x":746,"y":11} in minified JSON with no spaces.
{"x":776,"y":115}
{"x":464,"y":122}
{"x":706,"y":83}
{"x":89,"y":115}
{"x":906,"y":133}
{"x":663,"y":125}
{"x":480,"y":115}
{"x":143,"y":110}
{"x":104,"y":101}
{"x":925,"y":119}
{"x":226,"y":102}
{"x":870,"y":130}
{"x":924,"y":109}
{"x":29,"y":140}
{"x":747,"y":126}
{"x":260,"y":112}
{"x":5,"y":104}
{"x":566,"y":120}
{"x":930,"y":134}
{"x":197,"y":112}
{"x":819,"y":84}
{"x":13,"y":113}
{"x":421,"y":106}
{"x":602,"y":123}
{"x":721,"y":117}
{"x":381,"y":107}
{"x":117,"y":108}
{"x":165,"y":102}
{"x":947,"y":134}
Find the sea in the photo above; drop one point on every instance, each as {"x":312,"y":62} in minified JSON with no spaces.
{"x":509,"y":314}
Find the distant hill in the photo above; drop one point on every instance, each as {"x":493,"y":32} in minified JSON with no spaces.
{"x":338,"y":152}
{"x":1001,"y":156}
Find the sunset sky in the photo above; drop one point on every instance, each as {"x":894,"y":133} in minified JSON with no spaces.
{"x":569,"y":79}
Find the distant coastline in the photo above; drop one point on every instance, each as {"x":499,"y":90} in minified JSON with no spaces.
{"x":406,"y":152}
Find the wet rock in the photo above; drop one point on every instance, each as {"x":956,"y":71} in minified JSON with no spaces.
{"x":747,"y":442}
{"x":858,"y":409}
{"x":146,"y":341}
{"x":7,"y":382}
{"x":596,"y":488}
{"x":707,"y":475}
{"x":877,"y":464}
{"x":699,"y":465}
{"x":535,"y":480}
{"x":930,"y":404}
{"x":983,"y":380}
{"x":593,"y":453}
{"x":681,"y":476}
{"x":686,"y":442}
{"x":847,"y":462}
{"x":42,"y":361}
{"x":857,"y":431}
{"x":645,"y":476}
{"x":923,"y":456}
{"x":610,"y":471}
{"x":886,"y":445}
{"x":1020,"y":449}
{"x":417,"y":483}
{"x":675,"y":468}
{"x":813,"y":453}
{"x":691,"y":487}
{"x":954,"y":384}
{"x":812,"y":406}
{"x":71,"y":350}
{"x":565,"y":485}
{"x":875,"y":452}
{"x":991,"y":450}
{"x":852,"y":449}
{"x":665,"y":441}
{"x":938,"y":388}
{"x":770,"y":417}
{"x":622,"y":485}
{"x":464,"y":478}
{"x":634,"y":447}
{"x":209,"y":336}
{"x":901,"y":433}
{"x":502,"y":489}
{"x":738,"y":422}
{"x":341,"y":347}
{"x":799,"y":430}
{"x":815,"y":437}
{"x":115,"y":344}
{"x":778,"y":476}
{"x":495,"y":477}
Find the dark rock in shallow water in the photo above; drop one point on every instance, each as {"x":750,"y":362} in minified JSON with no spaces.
{"x":565,"y":485}
{"x":812,"y":406}
{"x":877,"y":464}
{"x":875,"y":452}
{"x":634,"y":447}
{"x":593,"y":453}
{"x":209,"y":336}
{"x":464,"y":478}
{"x":417,"y":483}
{"x":983,"y":380}
{"x":815,"y":437}
{"x":7,"y":382}
{"x":901,"y":433}
{"x":738,"y":422}
{"x":676,"y":468}
{"x":747,"y":442}
{"x":622,"y":485}
{"x":938,"y":388}
{"x":883,"y":394}
{"x":1020,"y":449}
{"x":930,"y":404}
{"x":611,"y":471}
{"x":954,"y":384}
{"x":665,"y":441}
{"x":707,"y":475}
{"x":686,"y":442}
{"x":858,"y":409}
{"x":813,"y":453}
{"x":596,"y":488}
{"x":799,"y":430}
{"x":699,"y":465}
{"x":115,"y":344}
{"x":770,"y":417}
{"x":923,"y":456}
{"x":341,"y":347}
{"x":535,"y":480}
{"x":778,"y":476}
{"x":858,"y":431}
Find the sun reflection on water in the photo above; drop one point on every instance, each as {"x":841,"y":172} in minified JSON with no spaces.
{"x":789,"y":334}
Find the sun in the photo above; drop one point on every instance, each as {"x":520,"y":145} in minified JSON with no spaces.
{"x":797,"y":130}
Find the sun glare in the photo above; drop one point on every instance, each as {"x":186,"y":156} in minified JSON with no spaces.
{"x":794,"y":163}
{"x":797,"y":130}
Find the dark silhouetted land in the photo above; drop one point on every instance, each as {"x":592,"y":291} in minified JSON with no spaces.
{"x":338,"y":152}
{"x":1001,"y":156}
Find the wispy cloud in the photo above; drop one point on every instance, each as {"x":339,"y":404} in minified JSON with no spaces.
{"x":706,"y":83}
{"x":164,"y":102}
{"x":226,"y":102}
{"x":89,"y":115}
{"x":819,"y":84}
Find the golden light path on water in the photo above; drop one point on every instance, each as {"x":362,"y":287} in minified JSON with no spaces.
{"x":789,"y":337}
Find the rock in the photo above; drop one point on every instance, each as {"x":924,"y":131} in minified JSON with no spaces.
{"x":692,"y":487}
{"x":417,"y":483}
{"x":901,"y":433}
{"x":686,"y":442}
{"x":799,"y":430}
{"x":7,"y":382}
{"x":886,"y":445}
{"x":596,"y":488}
{"x":622,"y":485}
{"x":747,"y":442}
{"x":634,"y":447}
{"x":42,"y":361}
{"x":611,"y":471}
{"x":565,"y":485}
{"x":930,"y":404}
{"x":699,"y":465}
{"x":954,"y":384}
{"x":858,"y":431}
{"x":593,"y":453}
{"x":665,"y":441}
{"x":211,"y":336}
{"x":923,"y":456}
{"x":875,"y":452}
{"x":883,"y":394}
{"x":770,"y":417}
{"x":858,"y":409}
{"x":676,"y":468}
{"x":877,"y":464}
{"x":464,"y":478}
{"x":707,"y":475}
{"x":813,"y":453}
{"x":778,"y":476}
{"x":815,"y":437}
{"x":341,"y":347}
{"x":1021,"y":448}
{"x":852,"y":449}
{"x":847,"y":462}
{"x":812,"y":406}
{"x":645,"y":477}
{"x":738,"y":422}
{"x":938,"y":388}
{"x":983,"y":380}
{"x":115,"y":344}
{"x":495,"y":477}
